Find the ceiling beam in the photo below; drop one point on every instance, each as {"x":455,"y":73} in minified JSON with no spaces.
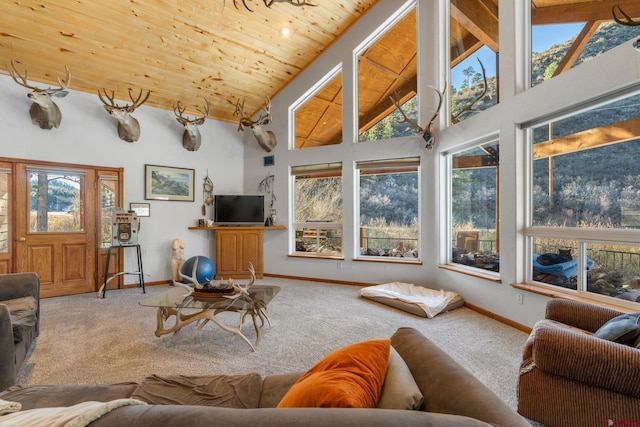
{"x":577,"y":47}
{"x":480,"y":17}
{"x":583,"y":12}
{"x":588,"y":139}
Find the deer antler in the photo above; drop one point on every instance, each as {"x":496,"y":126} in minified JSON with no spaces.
{"x":627,"y":21}
{"x":427,"y":132}
{"x":111,"y":102}
{"x":469,"y":108}
{"x":136,"y":102}
{"x":178,"y":110}
{"x":268,"y":3}
{"x":15,"y":74}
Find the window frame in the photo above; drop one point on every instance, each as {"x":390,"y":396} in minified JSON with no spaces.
{"x":380,"y":164}
{"x":447,"y":157}
{"x":328,"y":169}
{"x":582,"y":236}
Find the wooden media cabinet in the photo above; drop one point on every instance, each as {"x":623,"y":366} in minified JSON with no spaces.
{"x":236,"y":247}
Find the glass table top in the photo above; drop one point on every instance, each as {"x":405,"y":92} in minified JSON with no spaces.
{"x":175,"y":298}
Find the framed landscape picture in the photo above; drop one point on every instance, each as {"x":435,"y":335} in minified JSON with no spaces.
{"x":168,"y":183}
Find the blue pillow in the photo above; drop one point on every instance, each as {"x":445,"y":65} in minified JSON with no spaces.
{"x":623,"y":329}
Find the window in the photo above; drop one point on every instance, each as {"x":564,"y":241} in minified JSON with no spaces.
{"x":389,"y":206}
{"x":55,"y":202}
{"x":5,"y":176}
{"x":317,"y":206}
{"x":584,"y":226}
{"x":108,"y":200}
{"x":566,"y":39}
{"x":474,"y":57}
{"x":388,"y":67}
{"x":318,"y":120}
{"x":475,"y":207}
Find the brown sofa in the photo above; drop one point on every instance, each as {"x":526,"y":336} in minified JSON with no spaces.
{"x":19,"y":322}
{"x":452,"y":397}
{"x":568,"y":377}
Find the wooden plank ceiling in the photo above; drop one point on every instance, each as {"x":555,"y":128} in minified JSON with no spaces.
{"x":185,"y":50}
{"x":189,"y":50}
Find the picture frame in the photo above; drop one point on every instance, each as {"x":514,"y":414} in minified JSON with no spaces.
{"x":141,"y":209}
{"x":168,"y":183}
{"x":269,"y":160}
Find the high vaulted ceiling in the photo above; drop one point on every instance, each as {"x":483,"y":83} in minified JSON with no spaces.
{"x":180,"y":50}
{"x":189,"y":50}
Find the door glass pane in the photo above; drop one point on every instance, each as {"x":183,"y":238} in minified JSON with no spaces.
{"x":55,"y":201}
{"x":108,"y":197}
{"x":4,"y":211}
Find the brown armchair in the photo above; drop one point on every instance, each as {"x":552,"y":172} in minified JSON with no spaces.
{"x":568,"y":377}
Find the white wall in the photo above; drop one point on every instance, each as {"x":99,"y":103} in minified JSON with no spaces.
{"x":88,"y":135}
{"x":610,"y":71}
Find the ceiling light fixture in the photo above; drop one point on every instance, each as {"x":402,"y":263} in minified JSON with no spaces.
{"x":286,"y":31}
{"x":268,"y":3}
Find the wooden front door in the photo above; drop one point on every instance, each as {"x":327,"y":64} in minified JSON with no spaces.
{"x":56,"y":225}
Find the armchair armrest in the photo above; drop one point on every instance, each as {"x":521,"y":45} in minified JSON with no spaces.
{"x":584,"y":316}
{"x":18,"y":285}
{"x":585,"y":358}
{"x":7,"y":355}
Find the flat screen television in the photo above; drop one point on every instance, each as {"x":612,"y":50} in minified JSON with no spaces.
{"x":238,"y":210}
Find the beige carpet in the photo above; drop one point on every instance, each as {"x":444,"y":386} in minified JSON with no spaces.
{"x":85,"y":339}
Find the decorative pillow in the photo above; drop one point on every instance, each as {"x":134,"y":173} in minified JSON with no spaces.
{"x":399,"y":390}
{"x":623,"y":329}
{"x":350,"y":377}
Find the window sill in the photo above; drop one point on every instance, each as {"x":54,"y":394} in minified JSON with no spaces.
{"x":558,"y":293}
{"x":391,"y":260}
{"x":470,"y":271}
{"x":316,"y":256}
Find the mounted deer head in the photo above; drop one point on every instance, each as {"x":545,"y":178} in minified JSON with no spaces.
{"x":44,"y":112}
{"x":469,"y":108}
{"x":427,"y":132}
{"x":266,"y":138}
{"x":128,"y":126}
{"x":191,"y":135}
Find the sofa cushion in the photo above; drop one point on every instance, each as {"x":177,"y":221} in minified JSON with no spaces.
{"x":228,"y":391}
{"x":350,"y":377}
{"x":399,"y":390}
{"x":623,"y":329}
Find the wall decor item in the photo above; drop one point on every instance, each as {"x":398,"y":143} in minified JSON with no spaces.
{"x":128,"y":126}
{"x":269,"y":160}
{"x":141,"y":209}
{"x":268,"y":3}
{"x":266,"y":138}
{"x":168,"y":183}
{"x":44,"y":112}
{"x":191,"y":135}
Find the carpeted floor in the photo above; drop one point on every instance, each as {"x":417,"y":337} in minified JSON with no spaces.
{"x":85,"y":339}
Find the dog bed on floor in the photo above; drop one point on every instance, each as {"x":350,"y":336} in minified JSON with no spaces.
{"x":413,"y":299}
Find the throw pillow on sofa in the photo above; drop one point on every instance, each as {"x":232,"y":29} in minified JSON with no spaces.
{"x":623,"y":329}
{"x":399,"y":390}
{"x":350,"y":377}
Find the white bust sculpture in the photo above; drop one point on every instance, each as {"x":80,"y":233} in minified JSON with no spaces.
{"x":177,"y":259}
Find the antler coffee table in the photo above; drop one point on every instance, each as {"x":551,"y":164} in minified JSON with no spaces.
{"x":253,"y":302}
